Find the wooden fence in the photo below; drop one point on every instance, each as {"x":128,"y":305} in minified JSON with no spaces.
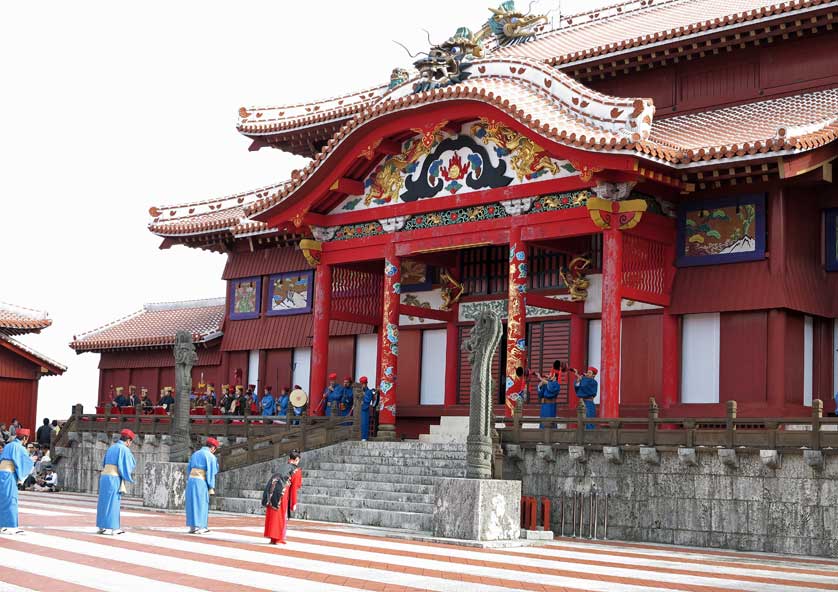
{"x":789,"y":434}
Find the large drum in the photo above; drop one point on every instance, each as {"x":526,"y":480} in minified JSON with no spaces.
{"x":298,"y":398}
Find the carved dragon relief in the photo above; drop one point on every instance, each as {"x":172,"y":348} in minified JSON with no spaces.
{"x":573,"y":275}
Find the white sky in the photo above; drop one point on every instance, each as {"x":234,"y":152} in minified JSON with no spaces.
{"x":109,"y":108}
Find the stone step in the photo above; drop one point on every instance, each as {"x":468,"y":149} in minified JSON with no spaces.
{"x":334,"y":484}
{"x":351,"y":460}
{"x":368,"y":503}
{"x":440,"y":438}
{"x":239,"y":505}
{"x":371,"y":477}
{"x":401,"y":470}
{"x":396,"y":454}
{"x":365,"y":516}
{"x":413,"y":445}
{"x":251,"y":493}
{"x":365,"y":493}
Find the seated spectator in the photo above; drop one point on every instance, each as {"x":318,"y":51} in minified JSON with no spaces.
{"x":145,"y":401}
{"x":43,"y":434}
{"x":5,"y":436}
{"x":47,"y":482}
{"x":167,"y":400}
{"x":55,"y":429}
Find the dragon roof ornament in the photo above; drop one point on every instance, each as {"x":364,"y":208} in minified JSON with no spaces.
{"x":449,"y":62}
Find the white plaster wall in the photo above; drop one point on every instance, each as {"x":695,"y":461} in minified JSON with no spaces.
{"x":366,"y":356}
{"x":700,"y":358}
{"x":432,"y":378}
{"x":253,"y":369}
{"x":593,"y":304}
{"x":302,"y":367}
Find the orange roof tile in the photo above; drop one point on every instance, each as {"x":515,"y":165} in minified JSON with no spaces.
{"x":639,"y":23}
{"x":155,"y":325}
{"x":17,"y":320}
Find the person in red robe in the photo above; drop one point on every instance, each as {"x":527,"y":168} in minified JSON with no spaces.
{"x":280,"y":498}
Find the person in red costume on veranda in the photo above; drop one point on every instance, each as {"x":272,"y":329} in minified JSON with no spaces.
{"x":280,"y":498}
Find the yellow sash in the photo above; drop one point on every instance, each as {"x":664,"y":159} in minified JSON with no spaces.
{"x":7,"y":465}
{"x":112,"y":471}
{"x":198,"y":474}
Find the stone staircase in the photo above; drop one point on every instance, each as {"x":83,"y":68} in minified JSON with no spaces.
{"x":386,"y":484}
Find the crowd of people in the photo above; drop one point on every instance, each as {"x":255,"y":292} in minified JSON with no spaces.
{"x":338,"y":398}
{"x":41,"y":475}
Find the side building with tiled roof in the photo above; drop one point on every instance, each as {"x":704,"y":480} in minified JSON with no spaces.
{"x":658,"y":171}
{"x":21,"y":367}
{"x":137,"y":350}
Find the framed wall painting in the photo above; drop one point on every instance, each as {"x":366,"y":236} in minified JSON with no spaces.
{"x":830,"y":219}
{"x":416,"y":276}
{"x":725,"y":230}
{"x":290,"y":293}
{"x":245,"y":298}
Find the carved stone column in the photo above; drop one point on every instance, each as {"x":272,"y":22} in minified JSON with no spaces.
{"x":481,"y":346}
{"x":185,"y":358}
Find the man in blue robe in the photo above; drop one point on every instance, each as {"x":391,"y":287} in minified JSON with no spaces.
{"x":368,"y":405}
{"x":268,"y":402}
{"x":121,"y":400}
{"x":586,"y":388}
{"x":332,"y":395}
{"x":548,"y":390}
{"x":117,"y":467}
{"x":200,"y":484}
{"x":15,"y":466}
{"x":347,"y":396}
{"x":283,"y":401}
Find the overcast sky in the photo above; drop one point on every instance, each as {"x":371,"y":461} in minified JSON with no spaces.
{"x":109,"y":108}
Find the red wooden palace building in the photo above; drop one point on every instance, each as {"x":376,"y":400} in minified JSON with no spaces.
{"x":646,"y":188}
{"x":21,"y":367}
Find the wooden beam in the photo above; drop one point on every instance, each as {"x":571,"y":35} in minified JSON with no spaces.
{"x":347,"y":186}
{"x":389,"y":147}
{"x":643,"y":296}
{"x":338,"y":315}
{"x":426,"y":313}
{"x":555,"y":304}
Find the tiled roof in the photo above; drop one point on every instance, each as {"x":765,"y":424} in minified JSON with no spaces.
{"x":590,"y":35}
{"x":561,"y":109}
{"x":565,"y":111}
{"x":796,"y":123}
{"x":639,"y":23}
{"x":155,"y":325}
{"x":50,"y":367}
{"x":212,"y":215}
{"x":306,"y":114}
{"x":17,"y":320}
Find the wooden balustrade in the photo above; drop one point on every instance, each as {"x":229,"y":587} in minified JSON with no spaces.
{"x":789,"y":434}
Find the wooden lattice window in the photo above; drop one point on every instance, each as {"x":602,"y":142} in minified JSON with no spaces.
{"x":485,"y":270}
{"x":547,"y":341}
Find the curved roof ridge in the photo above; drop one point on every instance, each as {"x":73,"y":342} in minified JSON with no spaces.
{"x":88,"y":334}
{"x":24,"y":311}
{"x":184,"y":304}
{"x":229,"y":196}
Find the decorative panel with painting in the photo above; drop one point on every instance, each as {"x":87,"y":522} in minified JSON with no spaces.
{"x":726,"y":230}
{"x":290,"y":293}
{"x":245,"y":298}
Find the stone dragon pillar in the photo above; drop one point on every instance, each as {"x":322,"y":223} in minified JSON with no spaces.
{"x":185,"y":358}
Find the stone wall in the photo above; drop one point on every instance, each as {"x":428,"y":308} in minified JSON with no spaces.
{"x":755,"y":501}
{"x":80,"y":464}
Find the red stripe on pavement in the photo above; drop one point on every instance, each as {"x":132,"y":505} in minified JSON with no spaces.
{"x":123,"y":567}
{"x":766,"y":557}
{"x":599,"y":563}
{"x":40,"y":583}
{"x":245,"y":565}
{"x":490,"y":564}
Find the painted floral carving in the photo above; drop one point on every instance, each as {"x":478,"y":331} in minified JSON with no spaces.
{"x":528,"y":159}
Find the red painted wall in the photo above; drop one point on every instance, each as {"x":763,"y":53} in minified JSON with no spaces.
{"x":641,"y":359}
{"x":743,"y":351}
{"x":794,"y":359}
{"x":16,"y":401}
{"x":342,"y":356}
{"x":410,"y":366}
{"x":742,"y":75}
{"x":277,"y":369}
